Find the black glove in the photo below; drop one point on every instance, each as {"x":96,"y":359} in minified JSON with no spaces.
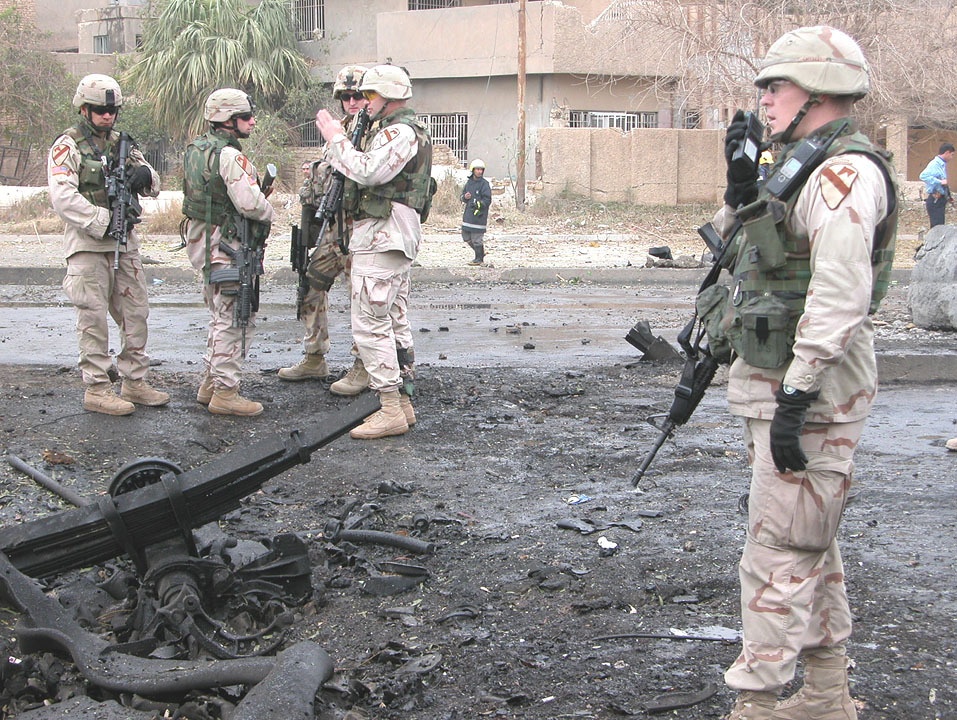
{"x":786,"y":428}
{"x":742,"y":177}
{"x":141,"y":180}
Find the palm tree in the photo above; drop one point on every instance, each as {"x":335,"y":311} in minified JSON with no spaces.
{"x":196,"y":46}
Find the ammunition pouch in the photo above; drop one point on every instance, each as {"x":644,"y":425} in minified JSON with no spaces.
{"x":764,"y":234}
{"x":716,"y":314}
{"x":762,"y":335}
{"x":759,"y":331}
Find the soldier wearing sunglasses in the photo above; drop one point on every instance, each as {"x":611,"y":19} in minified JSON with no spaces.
{"x":327,"y":262}
{"x":220,"y":188}
{"x":78,"y":165}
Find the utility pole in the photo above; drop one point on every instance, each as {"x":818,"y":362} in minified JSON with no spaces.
{"x":520,"y":162}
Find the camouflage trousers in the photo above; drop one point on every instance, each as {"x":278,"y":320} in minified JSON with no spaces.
{"x":223,"y":361}
{"x":326,"y":264}
{"x":96,"y":289}
{"x":793,"y":597}
{"x":381,"y":284}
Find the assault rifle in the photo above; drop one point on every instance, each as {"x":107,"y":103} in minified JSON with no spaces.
{"x":301,"y":242}
{"x":700,"y":365}
{"x":330,"y":207}
{"x":247,"y":265}
{"x":122,"y":199}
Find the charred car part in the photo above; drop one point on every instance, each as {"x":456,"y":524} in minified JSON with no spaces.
{"x":152,"y":501}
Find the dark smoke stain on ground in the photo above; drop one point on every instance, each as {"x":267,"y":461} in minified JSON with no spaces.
{"x":506,"y":621}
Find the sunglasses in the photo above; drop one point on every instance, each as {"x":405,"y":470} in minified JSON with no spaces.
{"x":370,"y":95}
{"x":104,"y":109}
{"x":245,"y":117}
{"x":350,"y":97}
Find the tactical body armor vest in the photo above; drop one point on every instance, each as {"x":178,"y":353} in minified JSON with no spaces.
{"x":413,"y":186}
{"x":771,"y":268}
{"x":204,"y":192}
{"x":92,"y":179}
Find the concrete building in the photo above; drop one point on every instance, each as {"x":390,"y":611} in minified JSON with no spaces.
{"x":582,"y":69}
{"x":585,"y":66}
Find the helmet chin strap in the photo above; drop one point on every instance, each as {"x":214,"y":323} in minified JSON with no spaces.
{"x":785,"y":137}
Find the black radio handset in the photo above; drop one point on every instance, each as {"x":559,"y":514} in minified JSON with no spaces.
{"x":748,"y":152}
{"x":793,"y":173}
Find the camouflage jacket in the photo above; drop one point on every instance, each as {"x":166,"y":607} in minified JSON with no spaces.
{"x":839,"y":232}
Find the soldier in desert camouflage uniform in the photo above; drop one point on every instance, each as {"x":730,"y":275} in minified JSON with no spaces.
{"x":808,"y":277}
{"x":220,"y":187}
{"x":76,"y":171}
{"x":327,"y":262}
{"x":389,"y":193}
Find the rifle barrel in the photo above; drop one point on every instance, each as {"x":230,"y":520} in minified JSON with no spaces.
{"x":665,"y":433}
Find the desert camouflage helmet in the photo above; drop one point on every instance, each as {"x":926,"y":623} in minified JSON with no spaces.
{"x":348,"y":80}
{"x":390,"y":81}
{"x":476,"y":163}
{"x":223,"y":104}
{"x":97,"y":90}
{"x":819,"y":59}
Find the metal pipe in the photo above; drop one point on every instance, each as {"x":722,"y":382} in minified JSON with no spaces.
{"x":377,"y":537}
{"x":74,"y":498}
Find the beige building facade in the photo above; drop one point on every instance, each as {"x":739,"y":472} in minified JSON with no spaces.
{"x":581,"y":68}
{"x":585,"y":67}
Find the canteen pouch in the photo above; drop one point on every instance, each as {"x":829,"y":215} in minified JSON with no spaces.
{"x":764,"y":339}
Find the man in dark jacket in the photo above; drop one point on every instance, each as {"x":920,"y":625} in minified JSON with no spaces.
{"x":477,"y":197}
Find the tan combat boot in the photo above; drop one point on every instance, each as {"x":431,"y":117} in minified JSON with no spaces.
{"x":406,"y":403}
{"x":825,"y":695}
{"x":353,"y":382}
{"x":753,"y":705}
{"x":390,"y":420}
{"x":205,"y":392}
{"x":230,"y":402}
{"x":311,"y":366}
{"x":140,"y":392}
{"x":101,"y":398}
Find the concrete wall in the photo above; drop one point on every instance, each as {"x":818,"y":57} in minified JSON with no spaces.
{"x":122,"y":23}
{"x":646,"y":167}
{"x":57,"y":20}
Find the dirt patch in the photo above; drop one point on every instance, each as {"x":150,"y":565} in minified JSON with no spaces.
{"x":507,"y":620}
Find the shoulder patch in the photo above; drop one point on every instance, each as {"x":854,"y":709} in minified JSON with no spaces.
{"x":59,"y":153}
{"x":390,"y":134}
{"x":836,"y":181}
{"x":244,"y":163}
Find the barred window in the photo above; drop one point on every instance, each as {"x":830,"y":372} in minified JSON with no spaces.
{"x":309,"y":133}
{"x":450,"y":129}
{"x":622,"y":120}
{"x":309,"y":19}
{"x":433,"y":4}
{"x":692,"y":120}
